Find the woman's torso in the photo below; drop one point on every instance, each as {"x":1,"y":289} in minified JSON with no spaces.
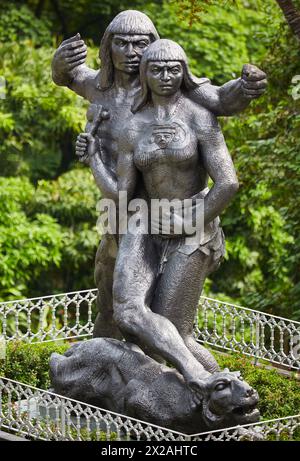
{"x":168,"y":154}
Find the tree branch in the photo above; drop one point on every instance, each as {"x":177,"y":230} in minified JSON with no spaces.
{"x":39,"y":8}
{"x":292,"y":15}
{"x":60,"y":16}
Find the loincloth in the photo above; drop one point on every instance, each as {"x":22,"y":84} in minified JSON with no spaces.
{"x":212,"y":245}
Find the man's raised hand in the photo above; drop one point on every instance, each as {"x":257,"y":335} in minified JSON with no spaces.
{"x":69,"y":55}
{"x":254,"y":81}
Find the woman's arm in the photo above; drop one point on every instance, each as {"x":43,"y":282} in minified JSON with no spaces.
{"x":219,"y":166}
{"x":217,"y":162}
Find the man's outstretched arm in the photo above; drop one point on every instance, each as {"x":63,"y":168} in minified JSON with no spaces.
{"x":235,"y":95}
{"x":68,"y":66}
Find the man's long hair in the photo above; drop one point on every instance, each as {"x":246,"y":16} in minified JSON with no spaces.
{"x":127,"y":22}
{"x":164,"y":50}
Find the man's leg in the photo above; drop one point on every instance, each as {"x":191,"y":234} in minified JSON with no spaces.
{"x":105,"y":326}
{"x":135,"y":278}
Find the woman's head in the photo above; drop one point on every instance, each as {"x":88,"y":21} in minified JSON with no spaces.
{"x":131,"y":28}
{"x":163,"y":70}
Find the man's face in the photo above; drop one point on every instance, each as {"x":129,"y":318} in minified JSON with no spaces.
{"x":164,"y":78}
{"x":127,"y":51}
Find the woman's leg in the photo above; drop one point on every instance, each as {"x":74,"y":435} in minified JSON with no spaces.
{"x":135,"y":278}
{"x":177,"y":297}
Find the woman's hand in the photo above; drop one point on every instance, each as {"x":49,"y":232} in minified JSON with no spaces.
{"x":185,"y":218}
{"x":86,"y":147}
{"x":170,"y":223}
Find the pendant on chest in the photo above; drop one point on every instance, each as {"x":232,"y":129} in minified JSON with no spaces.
{"x":165,"y":143}
{"x":165,"y":135}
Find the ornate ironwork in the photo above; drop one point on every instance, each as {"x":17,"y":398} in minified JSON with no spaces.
{"x":38,"y":414}
{"x":219,"y":324}
{"x":257,"y":334}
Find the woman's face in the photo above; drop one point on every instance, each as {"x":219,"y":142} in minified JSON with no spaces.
{"x":164,"y":78}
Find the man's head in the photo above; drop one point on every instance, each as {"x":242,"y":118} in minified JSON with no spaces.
{"x":127,"y":50}
{"x":126,"y":38}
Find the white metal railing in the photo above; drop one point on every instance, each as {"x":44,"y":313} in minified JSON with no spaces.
{"x":39,"y":414}
{"x":257,"y":334}
{"x":48,"y":318}
{"x":274,"y":429}
{"x":222,"y":325}
{"x":42,"y":415}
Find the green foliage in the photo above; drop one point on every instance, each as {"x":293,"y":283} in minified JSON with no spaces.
{"x":38,"y":121}
{"x":219,"y":44}
{"x":262,"y":224}
{"x":29,"y":363}
{"x":71,"y":200}
{"x":19,"y":23}
{"x":86,"y":16}
{"x":47,"y":234}
{"x":61,"y":198}
{"x":193,"y":10}
{"x":29,"y":243}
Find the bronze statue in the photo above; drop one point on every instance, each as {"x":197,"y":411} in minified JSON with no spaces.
{"x":115,"y":87}
{"x":158,"y":278}
{"x":164,"y":146}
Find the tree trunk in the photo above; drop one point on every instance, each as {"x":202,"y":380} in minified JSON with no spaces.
{"x":39,"y":8}
{"x":61,"y":18}
{"x":292,"y":15}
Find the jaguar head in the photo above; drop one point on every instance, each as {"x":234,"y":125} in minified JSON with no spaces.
{"x":228,"y":400}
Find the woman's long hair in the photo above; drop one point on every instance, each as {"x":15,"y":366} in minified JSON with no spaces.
{"x":127,"y":22}
{"x":164,"y":50}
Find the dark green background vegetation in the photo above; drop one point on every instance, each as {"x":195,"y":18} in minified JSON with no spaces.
{"x":48,"y":201}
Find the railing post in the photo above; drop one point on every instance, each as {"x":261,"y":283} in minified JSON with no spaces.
{"x":63,"y":419}
{"x":257,"y":339}
{"x":2,"y":347}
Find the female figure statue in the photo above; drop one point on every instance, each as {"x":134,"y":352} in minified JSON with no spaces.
{"x":173,"y":146}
